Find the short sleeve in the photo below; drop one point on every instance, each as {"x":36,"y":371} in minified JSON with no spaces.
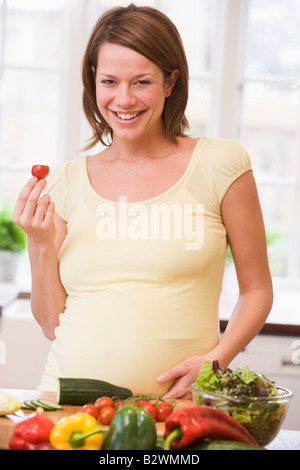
{"x":57,"y":188}
{"x":229,"y":161}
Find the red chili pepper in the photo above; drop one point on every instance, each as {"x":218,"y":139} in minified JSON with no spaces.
{"x":30,"y":432}
{"x":40,"y":171}
{"x":186,"y":425}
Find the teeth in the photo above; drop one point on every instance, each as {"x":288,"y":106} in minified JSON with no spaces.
{"x":126,"y":116}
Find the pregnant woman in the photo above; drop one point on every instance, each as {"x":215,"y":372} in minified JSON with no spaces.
{"x":127,"y":246}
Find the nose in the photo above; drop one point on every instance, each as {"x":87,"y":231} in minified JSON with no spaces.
{"x":125,"y":97}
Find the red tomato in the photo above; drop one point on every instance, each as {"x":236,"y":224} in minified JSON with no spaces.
{"x":118,"y":404}
{"x":40,"y":171}
{"x":148,"y":406}
{"x":102,"y":402}
{"x":90,"y":410}
{"x":106,"y":414}
{"x":163,"y":410}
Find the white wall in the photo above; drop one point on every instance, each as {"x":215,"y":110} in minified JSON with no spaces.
{"x":23,"y":349}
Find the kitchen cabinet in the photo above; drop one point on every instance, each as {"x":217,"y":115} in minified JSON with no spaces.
{"x":278,"y":358}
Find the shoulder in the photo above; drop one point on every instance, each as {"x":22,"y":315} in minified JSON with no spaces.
{"x":62,"y":182}
{"x":64,"y":171}
{"x":225,"y":161}
{"x":229,"y":153}
{"x":223,"y":152}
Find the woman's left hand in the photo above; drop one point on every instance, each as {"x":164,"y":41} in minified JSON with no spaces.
{"x":183,"y":375}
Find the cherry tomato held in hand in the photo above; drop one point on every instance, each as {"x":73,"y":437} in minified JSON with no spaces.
{"x":40,"y":171}
{"x":91,"y":410}
{"x":163,"y":410}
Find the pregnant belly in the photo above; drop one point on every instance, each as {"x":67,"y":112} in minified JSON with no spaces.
{"x":125,"y":348}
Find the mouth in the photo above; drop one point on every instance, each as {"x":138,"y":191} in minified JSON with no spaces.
{"x":127,"y":116}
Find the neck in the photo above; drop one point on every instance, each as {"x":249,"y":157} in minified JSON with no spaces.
{"x":146,"y":147}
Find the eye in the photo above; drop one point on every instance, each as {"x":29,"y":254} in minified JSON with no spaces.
{"x":143,"y":82}
{"x":107,"y":82}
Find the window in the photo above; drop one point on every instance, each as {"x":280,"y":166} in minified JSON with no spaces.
{"x":244,"y":85}
{"x":30,"y":67}
{"x":270,"y":126}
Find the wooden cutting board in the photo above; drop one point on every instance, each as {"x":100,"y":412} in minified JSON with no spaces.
{"x":7,"y":425}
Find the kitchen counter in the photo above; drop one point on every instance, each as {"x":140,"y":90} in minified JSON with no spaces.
{"x":286,"y":440}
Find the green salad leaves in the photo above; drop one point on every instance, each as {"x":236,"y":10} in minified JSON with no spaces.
{"x":240,"y":382}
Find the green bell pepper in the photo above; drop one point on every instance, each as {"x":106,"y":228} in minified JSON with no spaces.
{"x":132,"y":428}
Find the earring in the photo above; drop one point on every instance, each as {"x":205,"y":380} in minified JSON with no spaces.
{"x":169,"y":94}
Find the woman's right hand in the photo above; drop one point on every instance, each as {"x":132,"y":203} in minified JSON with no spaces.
{"x":35,"y":214}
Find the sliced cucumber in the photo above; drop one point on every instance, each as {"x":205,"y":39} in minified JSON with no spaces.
{"x":49,"y":404}
{"x":35,"y":403}
{"x":28,"y":405}
{"x":46,"y":405}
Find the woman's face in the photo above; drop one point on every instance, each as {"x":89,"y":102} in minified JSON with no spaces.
{"x":131,"y":92}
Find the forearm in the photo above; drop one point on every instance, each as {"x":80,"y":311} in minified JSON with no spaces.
{"x":248,"y":317}
{"x":48,"y":296}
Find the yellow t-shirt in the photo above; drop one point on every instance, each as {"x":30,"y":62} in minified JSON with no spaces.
{"x":143,"y":279}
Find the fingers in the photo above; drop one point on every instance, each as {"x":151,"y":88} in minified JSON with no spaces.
{"x":171,"y":374}
{"x":49,"y":215}
{"x":41,"y":209}
{"x":182,"y":375}
{"x":180,"y":389}
{"x":34,"y":213}
{"x":27,"y":201}
{"x":176,"y":374}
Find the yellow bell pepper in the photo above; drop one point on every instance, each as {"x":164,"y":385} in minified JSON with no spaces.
{"x":77,"y":432}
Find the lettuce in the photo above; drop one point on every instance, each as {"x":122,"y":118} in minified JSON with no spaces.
{"x":246,"y":375}
{"x":240,"y":382}
{"x":207,"y":379}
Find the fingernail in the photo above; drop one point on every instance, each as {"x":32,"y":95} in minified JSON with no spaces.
{"x":160,"y":378}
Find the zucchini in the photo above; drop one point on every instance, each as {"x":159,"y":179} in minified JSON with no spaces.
{"x":81,"y":391}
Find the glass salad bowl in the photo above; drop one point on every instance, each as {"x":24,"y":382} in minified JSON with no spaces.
{"x":261,"y":416}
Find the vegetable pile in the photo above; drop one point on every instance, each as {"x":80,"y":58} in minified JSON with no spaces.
{"x":131,"y":426}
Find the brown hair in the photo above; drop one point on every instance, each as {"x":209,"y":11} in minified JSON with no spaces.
{"x":152,"y":34}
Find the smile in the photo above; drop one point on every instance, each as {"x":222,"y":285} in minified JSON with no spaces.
{"x":127,"y":117}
